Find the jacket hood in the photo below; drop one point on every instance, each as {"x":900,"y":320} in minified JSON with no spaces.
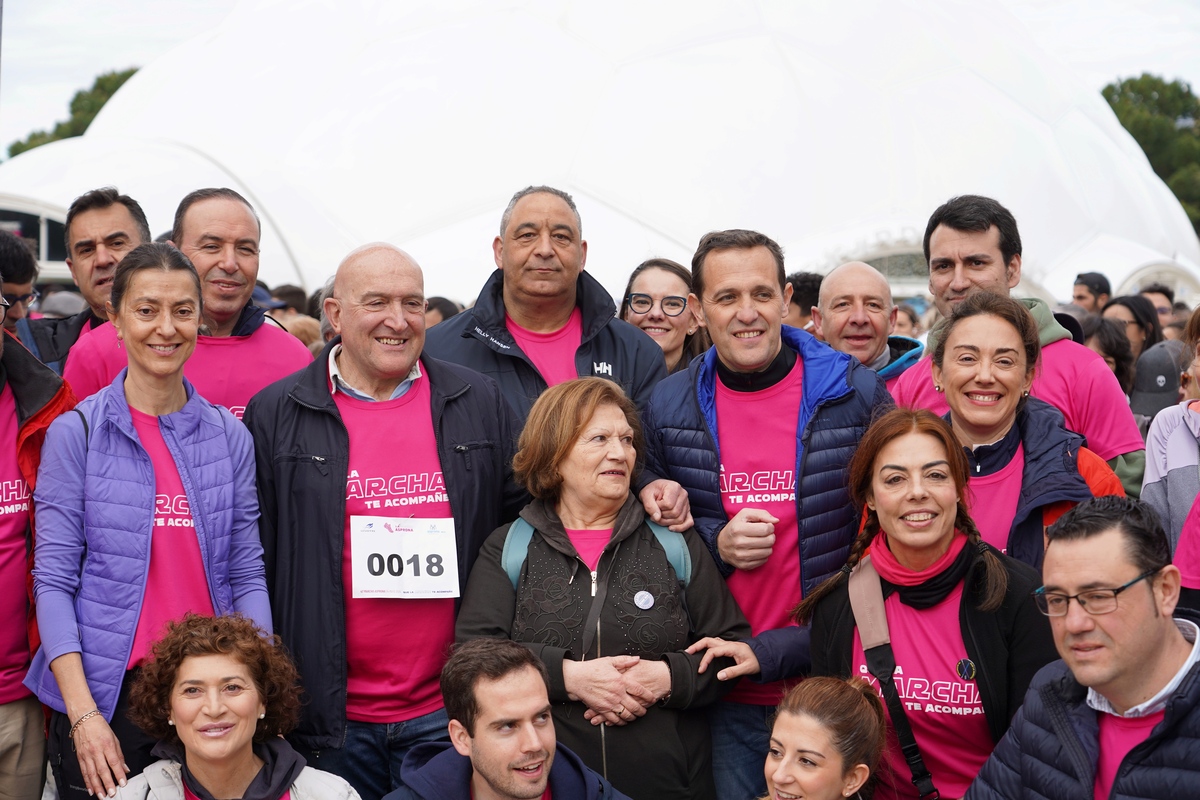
{"x":33,"y":383}
{"x":281,"y":766}
{"x":250,"y":320}
{"x":905,"y":352}
{"x":436,"y":771}
{"x":1049,"y":331}
{"x":542,"y":516}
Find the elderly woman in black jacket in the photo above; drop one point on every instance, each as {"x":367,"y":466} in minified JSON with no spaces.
{"x":606,"y":599}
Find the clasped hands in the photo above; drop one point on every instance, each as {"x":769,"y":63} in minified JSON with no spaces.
{"x":616,"y":689}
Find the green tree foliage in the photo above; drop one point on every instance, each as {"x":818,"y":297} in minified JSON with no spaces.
{"x":1164,"y":118}
{"x":85,"y":105}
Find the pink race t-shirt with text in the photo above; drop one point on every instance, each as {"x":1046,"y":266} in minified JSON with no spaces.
{"x":936,"y":682}
{"x":756,"y":434}
{"x":1069,"y":377}
{"x":552,"y":353}
{"x":14,"y":541}
{"x":175,"y":582}
{"x":1119,"y":735}
{"x":589,"y":544}
{"x":394,"y":471}
{"x":993,"y":500}
{"x":226,"y":370}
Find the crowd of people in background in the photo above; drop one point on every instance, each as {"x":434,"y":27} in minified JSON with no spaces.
{"x":738,"y":534}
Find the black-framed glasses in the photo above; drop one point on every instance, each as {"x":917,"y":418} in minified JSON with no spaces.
{"x":671,"y":305}
{"x":13,"y":299}
{"x":1093,"y":601}
{"x":4,"y":306}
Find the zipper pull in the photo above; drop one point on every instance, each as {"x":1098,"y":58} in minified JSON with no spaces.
{"x":593,"y":583}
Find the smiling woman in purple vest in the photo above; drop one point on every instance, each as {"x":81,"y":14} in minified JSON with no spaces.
{"x":146,"y":510}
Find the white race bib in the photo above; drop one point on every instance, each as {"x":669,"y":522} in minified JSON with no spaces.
{"x":403,"y":557}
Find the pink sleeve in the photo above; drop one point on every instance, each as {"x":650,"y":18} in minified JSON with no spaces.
{"x":1094,"y":404}
{"x":1187,"y":554}
{"x":914,"y":388}
{"x":86,"y":369}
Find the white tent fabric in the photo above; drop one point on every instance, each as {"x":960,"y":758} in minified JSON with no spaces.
{"x":833,"y":127}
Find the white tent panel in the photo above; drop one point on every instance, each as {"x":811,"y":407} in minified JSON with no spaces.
{"x":834,"y":127}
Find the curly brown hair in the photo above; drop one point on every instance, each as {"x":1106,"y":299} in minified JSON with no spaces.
{"x":270,"y":667}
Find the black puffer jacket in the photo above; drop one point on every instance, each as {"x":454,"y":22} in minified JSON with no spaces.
{"x":1053,"y":747}
{"x":302,"y":450}
{"x":839,"y":399}
{"x":666,"y":753}
{"x":609,"y":348}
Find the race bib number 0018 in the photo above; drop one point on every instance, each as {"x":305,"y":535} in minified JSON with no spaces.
{"x":403,"y":557}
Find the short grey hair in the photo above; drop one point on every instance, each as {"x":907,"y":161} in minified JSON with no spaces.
{"x":326,"y":325}
{"x":506,"y":217}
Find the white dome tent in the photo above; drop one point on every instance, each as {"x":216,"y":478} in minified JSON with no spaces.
{"x":835,"y":128}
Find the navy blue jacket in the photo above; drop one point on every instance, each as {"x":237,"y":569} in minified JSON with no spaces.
{"x":435,"y":771}
{"x":839,"y":399}
{"x":609,"y":348}
{"x":1053,"y":746}
{"x":302,"y":450}
{"x":1050,"y":475}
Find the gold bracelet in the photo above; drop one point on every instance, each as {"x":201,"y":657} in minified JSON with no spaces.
{"x":80,"y":721}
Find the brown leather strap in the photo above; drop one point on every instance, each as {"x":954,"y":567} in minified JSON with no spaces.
{"x":866,"y":601}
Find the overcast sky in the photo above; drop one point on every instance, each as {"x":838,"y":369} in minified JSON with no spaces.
{"x":49,"y":49}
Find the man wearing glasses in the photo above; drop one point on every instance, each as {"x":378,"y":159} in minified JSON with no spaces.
{"x":1119,"y":716}
{"x":20,"y":272}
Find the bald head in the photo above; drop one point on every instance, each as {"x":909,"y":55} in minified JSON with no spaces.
{"x":854,"y":311}
{"x":378,"y":308}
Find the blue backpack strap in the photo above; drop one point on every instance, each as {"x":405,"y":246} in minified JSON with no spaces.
{"x":516,"y":548}
{"x":520,"y":533}
{"x":677,"y":551}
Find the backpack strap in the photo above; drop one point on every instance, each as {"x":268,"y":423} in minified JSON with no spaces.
{"x":87,"y":433}
{"x":520,"y":533}
{"x":866,"y":601}
{"x":678,"y":555}
{"x":516,"y":547}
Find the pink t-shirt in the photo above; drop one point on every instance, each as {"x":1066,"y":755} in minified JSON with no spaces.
{"x":1071,"y":378}
{"x":394,"y":471}
{"x":14,"y":527}
{"x":1119,"y":735}
{"x":552,"y":353}
{"x":1187,"y":552}
{"x":994,"y":499}
{"x":763,"y":477}
{"x":589,"y":544}
{"x":936,"y":682}
{"x":226,"y":370}
{"x":175,"y":582}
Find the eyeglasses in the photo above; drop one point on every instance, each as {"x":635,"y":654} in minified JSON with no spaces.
{"x":671,"y":305}
{"x":4,"y":306}
{"x":1093,"y":601}
{"x":13,"y":299}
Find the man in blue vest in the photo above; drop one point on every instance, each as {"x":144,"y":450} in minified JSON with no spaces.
{"x":759,"y":431}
